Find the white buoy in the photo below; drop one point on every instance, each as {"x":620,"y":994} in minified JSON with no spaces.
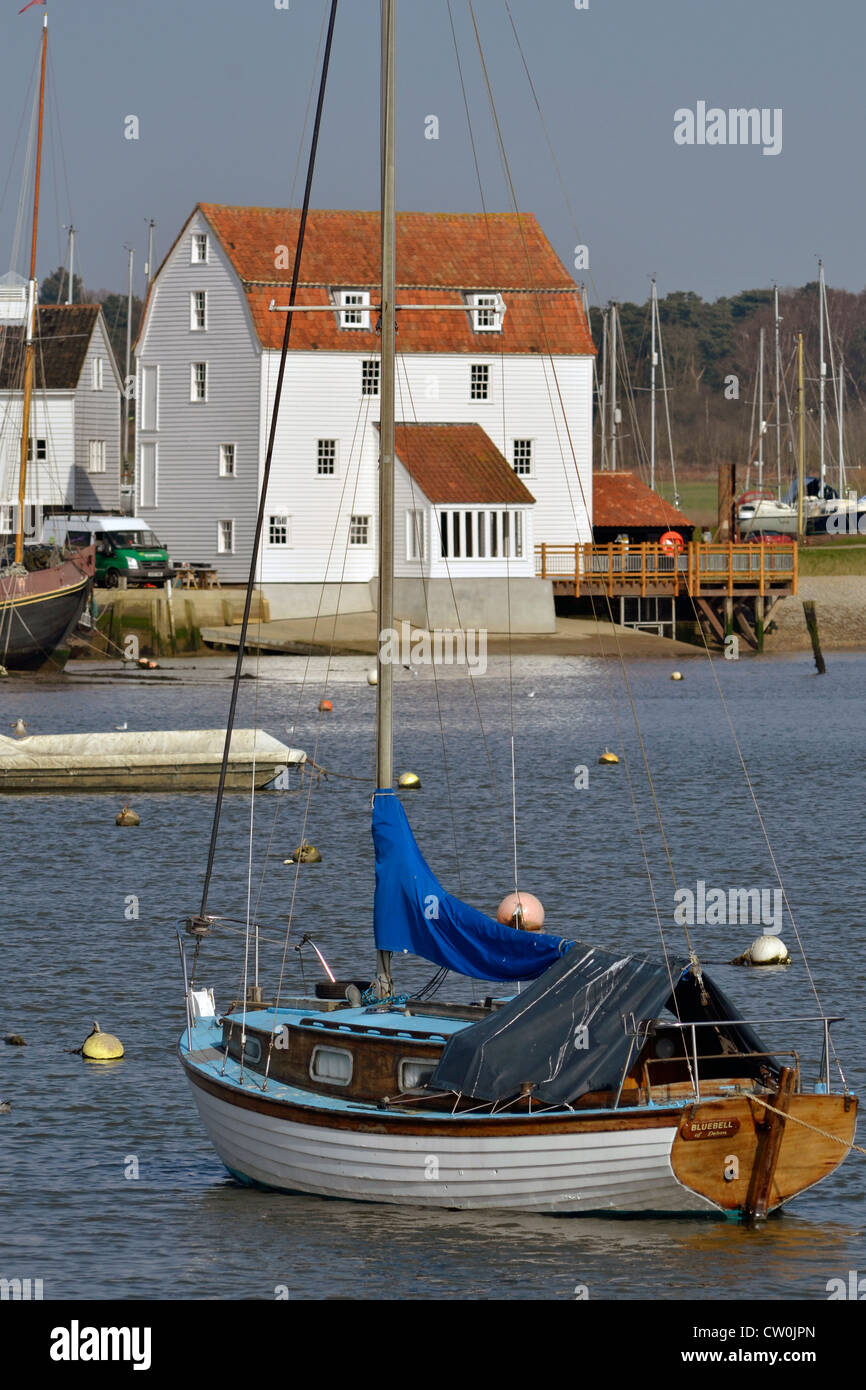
{"x":676,"y":676}
{"x":373,"y":676}
{"x":767,"y":950}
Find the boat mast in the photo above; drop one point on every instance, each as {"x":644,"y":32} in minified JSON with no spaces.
{"x":776,"y":397}
{"x":385,"y":670}
{"x":613,"y":388}
{"x":653,"y":363}
{"x":31,"y":317}
{"x":822,"y":367}
{"x":841,"y":431}
{"x":761,"y":410}
{"x":801,"y":470}
{"x":128,"y":356}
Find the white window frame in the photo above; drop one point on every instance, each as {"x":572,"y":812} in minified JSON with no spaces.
{"x":354,"y":309}
{"x":221,"y":548}
{"x":195,"y":245}
{"x":96,"y":447}
{"x":356,"y":522}
{"x":196,"y":311}
{"x":148,"y":444}
{"x":149,"y":373}
{"x":523,"y":472}
{"x":483,"y":371}
{"x":6,"y":517}
{"x":375,"y":370}
{"x":416,"y":535}
{"x":98,"y":377}
{"x":225,"y":472}
{"x":488,"y":311}
{"x":319,"y":460}
{"x":33,"y":455}
{"x":194,"y":398}
{"x":283,"y":520}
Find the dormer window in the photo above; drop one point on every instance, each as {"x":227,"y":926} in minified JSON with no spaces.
{"x":354,"y":308}
{"x":487,"y":312}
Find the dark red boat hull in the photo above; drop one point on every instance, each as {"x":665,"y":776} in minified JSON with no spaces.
{"x":39,"y":609}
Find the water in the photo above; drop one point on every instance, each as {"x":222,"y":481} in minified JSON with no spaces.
{"x":183,"y":1228}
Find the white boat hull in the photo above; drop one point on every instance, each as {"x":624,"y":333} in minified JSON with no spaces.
{"x":626,"y":1171}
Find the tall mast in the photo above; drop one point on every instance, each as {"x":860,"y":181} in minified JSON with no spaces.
{"x":128,"y":355}
{"x":822,"y":366}
{"x":602,"y":403}
{"x":841,"y":428}
{"x":653,"y":363}
{"x":70,"y":288}
{"x":776,"y":396}
{"x":31,"y":316}
{"x":148,"y":269}
{"x":613,"y":388}
{"x":385,"y":670}
{"x":760,"y":410}
{"x":801,"y":467}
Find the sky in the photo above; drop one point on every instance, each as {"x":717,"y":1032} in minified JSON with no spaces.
{"x":220,"y":89}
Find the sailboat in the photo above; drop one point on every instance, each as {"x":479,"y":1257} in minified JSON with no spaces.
{"x":596,"y":1081}
{"x":43,"y":591}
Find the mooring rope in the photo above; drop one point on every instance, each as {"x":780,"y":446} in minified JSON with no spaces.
{"x":816,"y":1129}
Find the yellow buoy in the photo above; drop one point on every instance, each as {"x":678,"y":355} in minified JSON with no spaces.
{"x":409,"y":781}
{"x":127,"y":817}
{"x":101,"y":1047}
{"x":676,"y":675}
{"x":608,"y":757}
{"x":305,"y":854}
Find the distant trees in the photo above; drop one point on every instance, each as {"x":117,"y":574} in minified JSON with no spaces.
{"x":54,"y":289}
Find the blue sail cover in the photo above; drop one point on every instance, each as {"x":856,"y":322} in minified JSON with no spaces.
{"x":412,"y":912}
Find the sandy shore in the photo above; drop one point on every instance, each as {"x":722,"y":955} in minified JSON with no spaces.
{"x":840,"y":606}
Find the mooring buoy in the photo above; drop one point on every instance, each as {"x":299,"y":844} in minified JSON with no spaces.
{"x":101,"y":1047}
{"x":305,"y":854}
{"x":409,"y":781}
{"x":765,"y":950}
{"x":676,"y":675}
{"x":608,"y":758}
{"x":521,"y":910}
{"x":14,"y":1040}
{"x":372,"y":677}
{"x":127,"y":817}
{"x":325,"y":707}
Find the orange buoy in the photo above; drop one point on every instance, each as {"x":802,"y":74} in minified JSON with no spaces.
{"x":521,"y":910}
{"x":325,"y":707}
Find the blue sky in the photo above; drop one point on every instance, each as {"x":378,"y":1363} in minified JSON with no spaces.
{"x":220,"y":89}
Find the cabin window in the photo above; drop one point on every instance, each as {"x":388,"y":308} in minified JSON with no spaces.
{"x":41,"y":450}
{"x":487,"y":312}
{"x":198,"y":381}
{"x":414,"y":1072}
{"x":354,"y":308}
{"x":228,"y":460}
{"x":280,"y":529}
{"x":98,"y":367}
{"x":479,"y":381}
{"x":252,"y":1049}
{"x":521,"y":457}
{"x":326,"y":458}
{"x":370,"y":377}
{"x":332,"y":1064}
{"x":96,"y":456}
{"x":225,"y":537}
{"x":198,"y":310}
{"x":415,"y":547}
{"x":359,"y":530}
{"x":199,"y":248}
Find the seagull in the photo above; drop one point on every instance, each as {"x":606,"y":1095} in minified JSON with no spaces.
{"x":5,"y":1107}
{"x":532,"y":694}
{"x":19,"y":728}
{"x":120,"y":727}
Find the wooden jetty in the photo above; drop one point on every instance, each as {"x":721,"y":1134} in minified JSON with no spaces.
{"x":722,"y":586}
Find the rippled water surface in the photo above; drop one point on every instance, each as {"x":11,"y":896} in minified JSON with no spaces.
{"x":183,"y":1228}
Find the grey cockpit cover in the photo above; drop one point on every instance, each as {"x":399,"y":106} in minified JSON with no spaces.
{"x":566,"y":1033}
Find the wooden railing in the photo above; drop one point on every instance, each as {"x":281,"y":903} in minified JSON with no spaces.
{"x":649,"y":569}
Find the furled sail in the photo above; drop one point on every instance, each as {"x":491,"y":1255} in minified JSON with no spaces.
{"x":413,"y":912}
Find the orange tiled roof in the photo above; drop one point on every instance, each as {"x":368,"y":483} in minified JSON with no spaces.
{"x":438,"y":256}
{"x":458,"y":463}
{"x":621,"y":499}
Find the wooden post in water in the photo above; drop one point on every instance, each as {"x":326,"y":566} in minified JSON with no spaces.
{"x":812,"y":625}
{"x":759,"y":621}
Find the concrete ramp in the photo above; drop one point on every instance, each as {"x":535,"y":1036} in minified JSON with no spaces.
{"x":130,"y":762}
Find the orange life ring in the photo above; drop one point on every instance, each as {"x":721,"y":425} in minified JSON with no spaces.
{"x":672,"y":541}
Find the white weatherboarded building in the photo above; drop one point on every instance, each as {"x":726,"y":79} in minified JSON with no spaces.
{"x":511,"y":358}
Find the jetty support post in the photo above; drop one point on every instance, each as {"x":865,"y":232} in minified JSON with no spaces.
{"x":812,"y":625}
